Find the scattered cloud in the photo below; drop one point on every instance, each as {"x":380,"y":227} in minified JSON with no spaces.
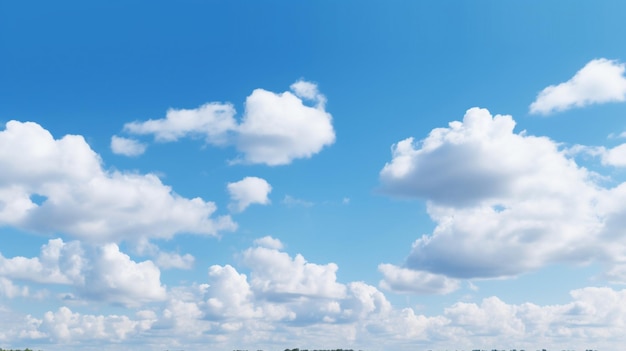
{"x":212,"y":121}
{"x":248,"y":191}
{"x":408,"y":281}
{"x":600,"y":81}
{"x":167,"y":260}
{"x":278,"y":128}
{"x":58,"y":185}
{"x":275,"y":129}
{"x":126,"y":146}
{"x":291,"y":201}
{"x":502,"y":201}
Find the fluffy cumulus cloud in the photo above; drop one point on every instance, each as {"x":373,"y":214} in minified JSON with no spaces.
{"x":126,"y":146}
{"x":64,"y":326}
{"x":275,"y":129}
{"x":115,"y":277}
{"x":277,"y":274}
{"x":59,"y":263}
{"x":600,"y":81}
{"x":58,"y":185}
{"x":229,"y":311}
{"x":248,"y":191}
{"x":278,"y":128}
{"x":502,"y":203}
{"x":95,"y":273}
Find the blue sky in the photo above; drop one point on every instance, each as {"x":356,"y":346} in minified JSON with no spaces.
{"x":313,"y":174}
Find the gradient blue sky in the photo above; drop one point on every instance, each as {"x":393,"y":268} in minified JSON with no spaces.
{"x":331,"y":229}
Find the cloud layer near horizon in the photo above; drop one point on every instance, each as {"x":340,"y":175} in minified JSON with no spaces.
{"x":283,"y":296}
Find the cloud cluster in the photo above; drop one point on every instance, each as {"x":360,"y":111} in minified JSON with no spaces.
{"x":233,"y":310}
{"x":600,"y":81}
{"x":275,"y":129}
{"x":58,"y":185}
{"x":504,"y":203}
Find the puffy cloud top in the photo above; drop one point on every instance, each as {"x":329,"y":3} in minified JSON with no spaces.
{"x":248,"y":191}
{"x":79,"y":198}
{"x":503,"y":204}
{"x":600,"y":81}
{"x":276,"y":128}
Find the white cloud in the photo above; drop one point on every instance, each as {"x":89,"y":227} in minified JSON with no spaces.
{"x":248,"y":191}
{"x":10,"y":290}
{"x":278,"y":128}
{"x":279,"y":276}
{"x":600,"y":81}
{"x":615,"y":156}
{"x":309,"y":91}
{"x":126,"y":146}
{"x":291,"y":201}
{"x":269,"y":242}
{"x":403,"y":280}
{"x":114,"y":277}
{"x":168,"y":260}
{"x":503,"y":202}
{"x":65,"y":326}
{"x":80,"y":199}
{"x":59,"y":263}
{"x":213,"y":121}
{"x":275,"y":128}
{"x":230,"y":293}
{"x":364,"y":319}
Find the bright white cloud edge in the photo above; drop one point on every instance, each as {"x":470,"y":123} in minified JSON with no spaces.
{"x":503,"y":203}
{"x":599,"y":81}
{"x":248,"y":191}
{"x":275,"y":129}
{"x":59,"y":185}
{"x":288,"y":301}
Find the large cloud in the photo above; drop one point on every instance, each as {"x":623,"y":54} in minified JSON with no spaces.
{"x":504,"y":203}
{"x":58,"y":185}
{"x":275,"y":128}
{"x":600,"y":81}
